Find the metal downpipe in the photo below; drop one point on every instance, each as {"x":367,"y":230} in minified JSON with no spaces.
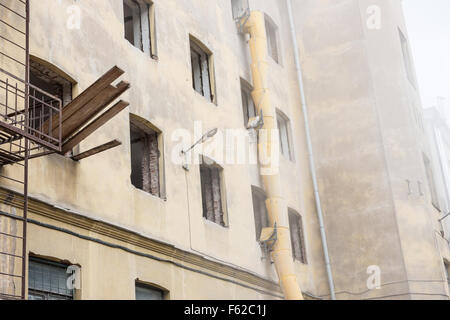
{"x":310,"y":151}
{"x":276,"y":205}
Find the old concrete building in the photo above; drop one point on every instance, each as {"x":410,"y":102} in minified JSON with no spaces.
{"x":138,"y":222}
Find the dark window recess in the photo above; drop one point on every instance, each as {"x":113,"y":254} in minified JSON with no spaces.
{"x":297,"y":237}
{"x":47,"y":280}
{"x":212,"y":193}
{"x":146,"y":292}
{"x":259,"y":211}
{"x":247,"y":104}
{"x":145,"y":156}
{"x":51,"y":82}
{"x":200,"y":71}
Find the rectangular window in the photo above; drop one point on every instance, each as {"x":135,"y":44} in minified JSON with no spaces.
{"x":239,"y":8}
{"x":47,"y":280}
{"x":145,"y":158}
{"x":146,"y":292}
{"x":247,"y":103}
{"x":212,"y":193}
{"x":139,"y":24}
{"x":284,"y":134}
{"x":259,"y":211}
{"x":202,"y":71}
{"x":272,"y":40}
{"x":431,"y":184}
{"x":407,"y":57}
{"x":297,"y":237}
{"x":43,"y":78}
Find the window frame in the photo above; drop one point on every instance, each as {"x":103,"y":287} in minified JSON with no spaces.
{"x":272,"y":39}
{"x":260,"y":221}
{"x":138,"y":123}
{"x":208,"y":164}
{"x":296,"y":218}
{"x":206,"y":68}
{"x":147,"y":29}
{"x":287,"y":141}
{"x":246,"y":94}
{"x":46,"y":295}
{"x":429,"y":175}
{"x":407,"y":58}
{"x":150,"y":286}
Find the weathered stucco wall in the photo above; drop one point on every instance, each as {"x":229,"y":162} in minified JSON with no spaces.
{"x":161,"y":92}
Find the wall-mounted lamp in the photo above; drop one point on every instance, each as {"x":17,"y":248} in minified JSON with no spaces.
{"x":211,"y":133}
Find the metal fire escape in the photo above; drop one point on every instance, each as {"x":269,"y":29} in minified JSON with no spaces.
{"x":23,"y":111}
{"x":33,"y":123}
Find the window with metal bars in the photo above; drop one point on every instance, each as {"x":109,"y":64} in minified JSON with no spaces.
{"x":259,"y":211}
{"x":145,"y":158}
{"x":297,"y":236}
{"x":202,"y":70}
{"x":212,"y":193}
{"x":50,"y":81}
{"x":47,"y":280}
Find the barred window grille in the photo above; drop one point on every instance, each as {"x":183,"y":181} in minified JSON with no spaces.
{"x":47,"y":280}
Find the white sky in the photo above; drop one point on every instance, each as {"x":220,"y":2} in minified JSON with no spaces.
{"x":428,"y":23}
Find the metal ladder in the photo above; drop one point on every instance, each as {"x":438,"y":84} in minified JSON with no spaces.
{"x":14,"y":148}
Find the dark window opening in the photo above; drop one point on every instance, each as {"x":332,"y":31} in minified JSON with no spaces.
{"x":202,"y":75}
{"x":247,"y":103}
{"x":297,"y":237}
{"x":211,"y":186}
{"x":145,"y":157}
{"x":259,"y":211}
{"x":47,"y":280}
{"x":139,"y":25}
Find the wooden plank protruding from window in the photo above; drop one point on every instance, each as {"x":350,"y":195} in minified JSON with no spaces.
{"x":91,"y":109}
{"x":90,"y":93}
{"x":93,"y":126}
{"x":97,"y":150}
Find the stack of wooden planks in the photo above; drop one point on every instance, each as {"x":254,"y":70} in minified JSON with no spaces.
{"x":80,"y":118}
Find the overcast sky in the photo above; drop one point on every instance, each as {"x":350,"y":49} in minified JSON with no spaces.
{"x":428,"y":23}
